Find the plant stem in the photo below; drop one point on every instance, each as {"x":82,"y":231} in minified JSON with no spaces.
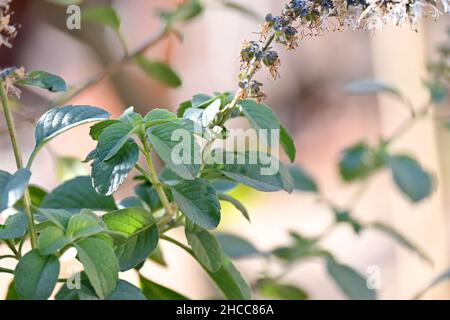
{"x":129,"y":57}
{"x":19,"y":162}
{"x":405,"y":126}
{"x":4,"y":270}
{"x":8,"y":257}
{"x":13,"y":249}
{"x":356,"y":197}
{"x":179,"y":244}
{"x":10,"y":124}
{"x":111,"y":69}
{"x":153,"y":177}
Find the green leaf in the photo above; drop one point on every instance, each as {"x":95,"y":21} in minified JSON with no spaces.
{"x":159,"y":71}
{"x":108,"y":176}
{"x":103,"y":15}
{"x":288,"y":144}
{"x":126,"y":291}
{"x":229,"y":280}
{"x":256,"y":175}
{"x":224,"y":186}
{"x":131,"y":117}
{"x":157,"y":256}
{"x":148,"y":194}
{"x":261,"y":117}
{"x":61,"y":119}
{"x":36,"y":276}
{"x":51,"y":240}
{"x":186,"y":11}
{"x":37,"y":195}
{"x":57,"y":217}
{"x":411,"y":178}
{"x":301,"y":248}
{"x":351,"y":282}
{"x":355,"y":162}
{"x":84,"y":224}
{"x":44,"y":80}
{"x":138,"y":225}
{"x":402,"y":240}
{"x":112,"y":139}
{"x":198,"y":200}
{"x":236,"y":247}
{"x":15,"y":226}
{"x":206,"y":248}
{"x":12,"y":293}
{"x":100,"y":264}
{"x":154,"y":291}
{"x":12,"y":187}
{"x":438,"y":92}
{"x":274,"y":290}
{"x":236,"y":203}
{"x":73,"y":292}
{"x":204,"y":117}
{"x":76,"y":195}
{"x":159,"y":116}
{"x":370,"y":86}
{"x":302,"y":181}
{"x":201,"y":100}
{"x":131,"y":202}
{"x":168,"y":177}
{"x":183,"y":107}
{"x":137,"y":248}
{"x":129,"y":221}
{"x":97,"y":129}
{"x":184,"y":147}
{"x":344,"y":216}
{"x":123,"y":291}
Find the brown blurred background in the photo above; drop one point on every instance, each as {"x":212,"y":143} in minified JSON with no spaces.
{"x":308,"y":98}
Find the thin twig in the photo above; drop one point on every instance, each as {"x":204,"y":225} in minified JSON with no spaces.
{"x":19,"y":162}
{"x":110,"y":70}
{"x":4,"y":270}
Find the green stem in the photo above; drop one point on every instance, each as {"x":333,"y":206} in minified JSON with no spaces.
{"x":113,"y":68}
{"x":179,"y":244}
{"x":407,"y":125}
{"x":22,"y":242}
{"x":10,"y":124}
{"x":4,"y":270}
{"x":13,"y":249}
{"x":33,"y":156}
{"x":8,"y":256}
{"x":153,"y":177}
{"x":18,"y":156}
{"x":357,"y":196}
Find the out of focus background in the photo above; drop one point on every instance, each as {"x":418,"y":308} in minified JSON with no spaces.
{"x":309,"y":99}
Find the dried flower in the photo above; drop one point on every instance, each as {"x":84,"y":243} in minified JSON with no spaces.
{"x":10,"y":76}
{"x":301,"y":18}
{"x":7,"y":31}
